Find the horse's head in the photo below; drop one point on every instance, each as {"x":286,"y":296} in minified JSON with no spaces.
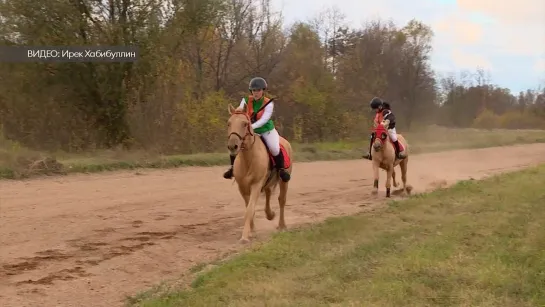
{"x":381,"y":135}
{"x":238,"y":129}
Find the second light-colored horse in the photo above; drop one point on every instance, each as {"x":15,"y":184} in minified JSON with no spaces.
{"x":384,"y":156}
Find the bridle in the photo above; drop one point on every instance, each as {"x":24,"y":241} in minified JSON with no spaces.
{"x":248,"y":130}
{"x":378,"y":136}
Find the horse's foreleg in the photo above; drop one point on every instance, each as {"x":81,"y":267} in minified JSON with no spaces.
{"x":250,"y":212}
{"x":375,"y":176}
{"x":282,"y":197}
{"x":246,"y":198}
{"x":394,"y":177}
{"x":389,"y":176}
{"x":268,"y":212}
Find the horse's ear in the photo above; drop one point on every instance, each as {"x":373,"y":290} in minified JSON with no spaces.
{"x":231,"y":109}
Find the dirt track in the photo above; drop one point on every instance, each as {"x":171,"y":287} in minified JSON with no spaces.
{"x":89,"y":240}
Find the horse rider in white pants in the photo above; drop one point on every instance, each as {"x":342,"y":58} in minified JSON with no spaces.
{"x":262,"y":124}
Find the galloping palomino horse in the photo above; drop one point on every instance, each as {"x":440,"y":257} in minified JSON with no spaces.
{"x":254,"y":169}
{"x":384,"y":157}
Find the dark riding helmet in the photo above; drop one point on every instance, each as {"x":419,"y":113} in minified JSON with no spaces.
{"x":376,"y":103}
{"x":258,"y":83}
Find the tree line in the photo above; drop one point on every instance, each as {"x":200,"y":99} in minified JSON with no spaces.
{"x":197,"y":56}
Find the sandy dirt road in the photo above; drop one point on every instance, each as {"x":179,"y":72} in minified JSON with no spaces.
{"x":89,"y":240}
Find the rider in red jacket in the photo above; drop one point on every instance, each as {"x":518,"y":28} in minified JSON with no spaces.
{"x":383,"y":112}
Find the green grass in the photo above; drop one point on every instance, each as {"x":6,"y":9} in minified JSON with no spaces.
{"x":17,"y":162}
{"x":478,"y":243}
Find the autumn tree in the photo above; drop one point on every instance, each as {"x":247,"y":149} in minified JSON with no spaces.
{"x":417,"y":87}
{"x":196,"y":56}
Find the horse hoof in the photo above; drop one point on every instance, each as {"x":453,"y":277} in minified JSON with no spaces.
{"x":281,"y":228}
{"x":270,"y":216}
{"x":244,"y":241}
{"x":374,"y":192}
{"x":409,"y":189}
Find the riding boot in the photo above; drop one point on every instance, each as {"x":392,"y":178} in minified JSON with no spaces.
{"x":368,"y":154}
{"x":229,"y":173}
{"x":398,"y":150}
{"x":279,"y":162}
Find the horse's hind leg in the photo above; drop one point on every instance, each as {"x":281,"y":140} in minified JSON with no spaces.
{"x":403,"y":165}
{"x":282,"y":197}
{"x":268,"y":212}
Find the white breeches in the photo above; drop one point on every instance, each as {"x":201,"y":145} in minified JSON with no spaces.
{"x":272,"y":138}
{"x":393,"y":134}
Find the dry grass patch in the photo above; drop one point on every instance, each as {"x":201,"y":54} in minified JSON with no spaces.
{"x":18,"y":162}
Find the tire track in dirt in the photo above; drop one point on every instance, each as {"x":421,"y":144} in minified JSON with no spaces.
{"x":90,"y":240}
